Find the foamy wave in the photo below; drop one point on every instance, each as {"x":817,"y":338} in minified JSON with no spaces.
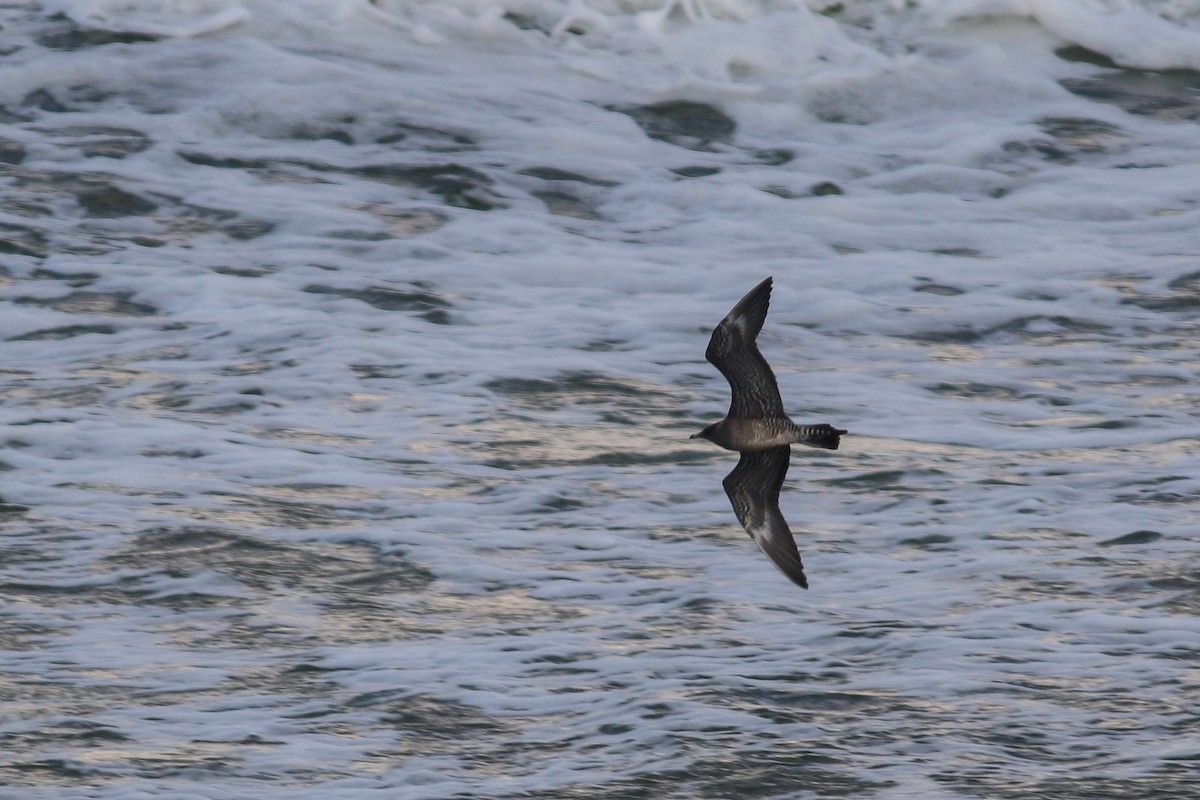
{"x":1148,"y":35}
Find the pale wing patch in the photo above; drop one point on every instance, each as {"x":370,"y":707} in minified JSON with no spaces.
{"x":776,"y":542}
{"x":753,"y":489}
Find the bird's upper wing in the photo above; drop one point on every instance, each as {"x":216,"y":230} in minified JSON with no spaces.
{"x":753,"y":489}
{"x":732,"y":350}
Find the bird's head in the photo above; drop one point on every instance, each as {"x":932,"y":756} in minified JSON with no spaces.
{"x":707,"y":433}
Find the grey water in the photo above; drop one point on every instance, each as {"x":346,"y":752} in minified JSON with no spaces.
{"x":347,"y":456}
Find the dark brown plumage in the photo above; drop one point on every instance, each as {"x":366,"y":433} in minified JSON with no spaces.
{"x":758,"y":428}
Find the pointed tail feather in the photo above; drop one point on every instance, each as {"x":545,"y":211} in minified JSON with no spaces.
{"x":823,"y":436}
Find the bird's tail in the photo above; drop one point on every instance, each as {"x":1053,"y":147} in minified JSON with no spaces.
{"x":823,"y":436}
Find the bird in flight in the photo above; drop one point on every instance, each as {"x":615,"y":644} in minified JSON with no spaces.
{"x":758,"y":428}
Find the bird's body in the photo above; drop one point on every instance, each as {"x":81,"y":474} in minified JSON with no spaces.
{"x":758,"y":428}
{"x":752,"y":435}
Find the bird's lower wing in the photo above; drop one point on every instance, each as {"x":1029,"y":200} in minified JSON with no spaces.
{"x":753,"y":489}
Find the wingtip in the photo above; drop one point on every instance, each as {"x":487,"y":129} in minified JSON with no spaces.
{"x":780,"y":548}
{"x":753,"y":307}
{"x":766,"y":283}
{"x":792,"y":570}
{"x":800,"y":580}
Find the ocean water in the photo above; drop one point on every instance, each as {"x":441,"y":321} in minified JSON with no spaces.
{"x":350,"y":351}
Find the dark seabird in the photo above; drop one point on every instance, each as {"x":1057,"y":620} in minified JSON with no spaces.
{"x":758,"y":428}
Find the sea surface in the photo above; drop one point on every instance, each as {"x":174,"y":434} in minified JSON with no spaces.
{"x":349,"y":353}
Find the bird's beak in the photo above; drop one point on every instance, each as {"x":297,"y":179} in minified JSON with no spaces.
{"x":694,"y":436}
